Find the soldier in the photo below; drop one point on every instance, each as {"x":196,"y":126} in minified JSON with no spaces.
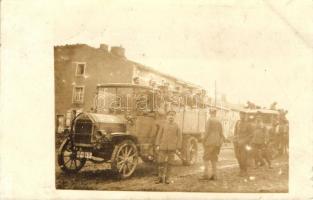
{"x":286,"y":137}
{"x":282,"y":129}
{"x":243,"y":133}
{"x":259,"y":143}
{"x":235,"y":141}
{"x":168,"y":141}
{"x":276,"y":138}
{"x":212,"y":141}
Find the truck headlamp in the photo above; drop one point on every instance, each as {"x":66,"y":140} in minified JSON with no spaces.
{"x":99,"y":134}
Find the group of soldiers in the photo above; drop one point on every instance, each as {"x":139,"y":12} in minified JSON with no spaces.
{"x":252,"y":141}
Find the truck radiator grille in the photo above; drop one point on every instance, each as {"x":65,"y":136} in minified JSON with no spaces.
{"x":82,"y":132}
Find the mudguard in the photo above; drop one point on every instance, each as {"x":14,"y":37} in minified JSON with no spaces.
{"x":119,"y":136}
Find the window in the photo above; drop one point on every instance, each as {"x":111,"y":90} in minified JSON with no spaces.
{"x":78,"y":94}
{"x":80,"y":69}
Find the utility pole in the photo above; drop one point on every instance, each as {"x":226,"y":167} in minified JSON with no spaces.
{"x":215,"y":93}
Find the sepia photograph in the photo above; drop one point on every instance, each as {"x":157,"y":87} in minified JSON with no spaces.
{"x":204,"y":99}
{"x":188,"y":106}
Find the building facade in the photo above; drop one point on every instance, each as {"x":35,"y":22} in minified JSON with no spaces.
{"x":80,"y":68}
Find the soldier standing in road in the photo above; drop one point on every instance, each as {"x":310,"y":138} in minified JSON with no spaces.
{"x":235,"y":141}
{"x":259,"y":142}
{"x":243,"y":133}
{"x":168,"y":141}
{"x":212,"y":141}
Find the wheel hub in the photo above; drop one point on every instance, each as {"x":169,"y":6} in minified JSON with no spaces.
{"x":73,"y":156}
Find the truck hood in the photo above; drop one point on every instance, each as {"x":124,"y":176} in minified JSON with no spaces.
{"x":106,"y":118}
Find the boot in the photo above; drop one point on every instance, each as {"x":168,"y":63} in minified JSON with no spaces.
{"x":167,"y":173}
{"x":214,"y":171}
{"x":269,"y":165}
{"x":262,"y":163}
{"x":159,"y":179}
{"x":206,"y":171}
{"x":213,"y":177}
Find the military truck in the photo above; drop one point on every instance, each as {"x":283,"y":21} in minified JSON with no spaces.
{"x":124,"y":125}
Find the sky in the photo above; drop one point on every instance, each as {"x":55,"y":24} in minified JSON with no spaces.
{"x":254,"y":50}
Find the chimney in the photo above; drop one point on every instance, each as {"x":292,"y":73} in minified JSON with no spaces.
{"x":118,"y":51}
{"x":104,"y":47}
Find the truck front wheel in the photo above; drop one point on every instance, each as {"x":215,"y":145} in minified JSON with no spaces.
{"x":67,"y":158}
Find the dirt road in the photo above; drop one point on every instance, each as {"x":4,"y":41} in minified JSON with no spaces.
{"x":184,"y":178}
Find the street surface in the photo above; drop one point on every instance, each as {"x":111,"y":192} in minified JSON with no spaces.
{"x":184,"y":178}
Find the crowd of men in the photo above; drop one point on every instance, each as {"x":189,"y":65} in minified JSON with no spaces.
{"x":252,"y":141}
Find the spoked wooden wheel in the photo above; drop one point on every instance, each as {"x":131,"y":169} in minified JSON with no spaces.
{"x":125,"y":158}
{"x":67,"y":158}
{"x":190,"y":150}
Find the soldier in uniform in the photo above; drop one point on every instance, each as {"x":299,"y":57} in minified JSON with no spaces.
{"x":212,"y":141}
{"x":276,"y":139}
{"x":235,"y":141}
{"x":168,"y":141}
{"x":282,"y":127}
{"x":259,"y":143}
{"x":243,"y":133}
{"x":286,"y":137}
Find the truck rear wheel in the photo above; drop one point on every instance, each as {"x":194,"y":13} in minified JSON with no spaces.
{"x":125,"y":158}
{"x":190,"y":151}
